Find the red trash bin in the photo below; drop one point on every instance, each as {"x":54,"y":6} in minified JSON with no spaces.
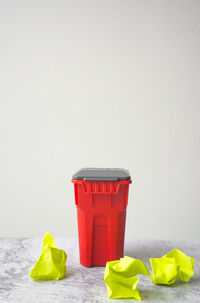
{"x":101,"y":197}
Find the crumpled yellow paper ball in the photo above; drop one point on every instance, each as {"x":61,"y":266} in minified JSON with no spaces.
{"x":175,"y":265}
{"x":51,"y":264}
{"x":120,"y":278}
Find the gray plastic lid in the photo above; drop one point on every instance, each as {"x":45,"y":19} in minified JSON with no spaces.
{"x":102,"y":174}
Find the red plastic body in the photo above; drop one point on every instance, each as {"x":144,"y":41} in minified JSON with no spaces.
{"x":101,"y":212}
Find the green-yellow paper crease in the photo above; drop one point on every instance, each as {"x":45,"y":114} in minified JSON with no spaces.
{"x":120,"y":278}
{"x":51,"y":264}
{"x":175,"y":265}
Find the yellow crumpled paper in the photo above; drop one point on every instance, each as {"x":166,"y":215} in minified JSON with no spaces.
{"x":175,"y":265}
{"x":51,"y":264}
{"x":120,"y":277}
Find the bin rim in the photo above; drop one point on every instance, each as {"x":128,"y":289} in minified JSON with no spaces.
{"x":117,"y":181}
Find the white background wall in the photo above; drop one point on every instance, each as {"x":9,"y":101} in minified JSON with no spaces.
{"x":107,"y":84}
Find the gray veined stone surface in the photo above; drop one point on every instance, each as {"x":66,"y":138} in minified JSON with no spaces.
{"x":17,"y":256}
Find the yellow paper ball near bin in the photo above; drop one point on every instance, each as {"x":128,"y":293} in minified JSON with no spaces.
{"x":51,"y":264}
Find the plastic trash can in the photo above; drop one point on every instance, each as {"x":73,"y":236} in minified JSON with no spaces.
{"x":101,"y":197}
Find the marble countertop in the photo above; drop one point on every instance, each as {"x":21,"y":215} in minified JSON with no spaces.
{"x":17,"y":256}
